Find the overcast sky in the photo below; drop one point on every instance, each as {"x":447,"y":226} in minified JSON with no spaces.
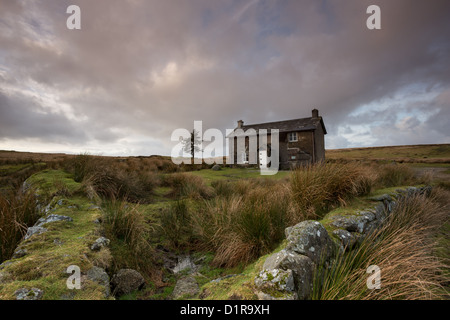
{"x":139,"y":69}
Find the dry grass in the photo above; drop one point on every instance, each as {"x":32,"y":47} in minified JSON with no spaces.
{"x":391,"y":175}
{"x":187,"y":185}
{"x":244,"y":220}
{"x":403,"y":249}
{"x":17,"y":212}
{"x":109,"y":178}
{"x":175,"y":224}
{"x":125,"y":224}
{"x":316,"y":187}
{"x":240,"y":228}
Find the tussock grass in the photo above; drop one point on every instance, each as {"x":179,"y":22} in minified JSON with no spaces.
{"x":17,"y":212}
{"x":125,"y":225}
{"x":316,"y":187}
{"x":391,"y":175}
{"x":175,"y":224}
{"x":241,"y":228}
{"x":108,"y":178}
{"x":244,"y":220}
{"x":403,"y":248}
{"x":185,"y":185}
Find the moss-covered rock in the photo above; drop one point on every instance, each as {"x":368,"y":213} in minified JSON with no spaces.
{"x":311,"y":239}
{"x":276,"y":284}
{"x":48,"y":255}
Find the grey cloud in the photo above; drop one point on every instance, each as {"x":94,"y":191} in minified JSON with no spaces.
{"x":256,"y":61}
{"x":24,"y":118}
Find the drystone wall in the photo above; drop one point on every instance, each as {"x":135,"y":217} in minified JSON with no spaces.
{"x":289,"y":273}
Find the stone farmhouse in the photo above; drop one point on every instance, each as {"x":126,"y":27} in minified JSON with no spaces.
{"x":300,"y":142}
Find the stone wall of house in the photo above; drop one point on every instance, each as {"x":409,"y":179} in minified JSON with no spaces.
{"x":307,"y":149}
{"x":319,"y":144}
{"x":289,"y":273}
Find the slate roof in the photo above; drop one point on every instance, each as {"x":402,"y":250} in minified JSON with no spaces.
{"x":304,"y":124}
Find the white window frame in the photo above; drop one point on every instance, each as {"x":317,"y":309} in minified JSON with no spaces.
{"x":290,"y":137}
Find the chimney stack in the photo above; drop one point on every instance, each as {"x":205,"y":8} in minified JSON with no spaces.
{"x":315,"y":113}
{"x":240,"y":124}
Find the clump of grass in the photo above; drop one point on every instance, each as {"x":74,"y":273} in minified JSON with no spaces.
{"x":17,"y":212}
{"x":81,"y":166}
{"x":125,"y":224}
{"x":109,"y":183}
{"x":175,"y":224}
{"x":223,"y":188}
{"x":241,"y":228}
{"x":403,"y":248}
{"x":187,"y":185}
{"x":392,"y":175}
{"x":109,"y":178}
{"x":316,"y":187}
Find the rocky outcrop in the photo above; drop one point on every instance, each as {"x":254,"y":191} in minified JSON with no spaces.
{"x":127,"y":281}
{"x":289,"y":274}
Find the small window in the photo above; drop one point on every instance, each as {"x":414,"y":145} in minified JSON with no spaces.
{"x":293,"y":137}
{"x":293,"y":157}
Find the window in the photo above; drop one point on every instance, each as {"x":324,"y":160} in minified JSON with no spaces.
{"x":293,"y":157}
{"x":293,"y":136}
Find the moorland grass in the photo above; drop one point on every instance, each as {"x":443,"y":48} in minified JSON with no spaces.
{"x":316,"y":187}
{"x":17,"y":212}
{"x":403,"y":248}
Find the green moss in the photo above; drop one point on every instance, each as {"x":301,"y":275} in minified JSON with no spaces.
{"x":51,"y":253}
{"x":49,"y":182}
{"x":240,"y":286}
